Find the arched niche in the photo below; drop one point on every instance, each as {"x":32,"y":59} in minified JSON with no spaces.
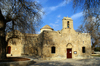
{"x":69,"y":45}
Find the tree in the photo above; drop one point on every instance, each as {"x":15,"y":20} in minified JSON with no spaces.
{"x":2,"y":36}
{"x":22,"y":15}
{"x":91,"y":22}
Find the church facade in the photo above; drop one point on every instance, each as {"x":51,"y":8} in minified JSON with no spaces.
{"x":50,"y":44}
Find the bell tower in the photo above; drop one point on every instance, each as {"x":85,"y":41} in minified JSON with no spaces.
{"x":67,"y":23}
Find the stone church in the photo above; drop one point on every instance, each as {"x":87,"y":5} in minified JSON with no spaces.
{"x":50,"y":44}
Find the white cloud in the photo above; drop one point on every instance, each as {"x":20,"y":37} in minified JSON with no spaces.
{"x":38,"y":32}
{"x":59,"y":5}
{"x":59,"y":16}
{"x":57,"y":21}
{"x":53,"y":8}
{"x":77,"y":15}
{"x":48,"y":10}
{"x":41,"y":1}
{"x":54,"y":25}
{"x":41,"y":12}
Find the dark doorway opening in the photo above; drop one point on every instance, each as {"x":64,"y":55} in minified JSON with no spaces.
{"x":9,"y":49}
{"x":69,"y":53}
{"x":52,"y":49}
{"x":83,"y":49}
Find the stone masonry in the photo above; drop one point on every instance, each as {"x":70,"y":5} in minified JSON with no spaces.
{"x":50,"y":44}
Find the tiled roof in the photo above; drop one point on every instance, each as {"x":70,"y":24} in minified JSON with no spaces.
{"x":46,"y":27}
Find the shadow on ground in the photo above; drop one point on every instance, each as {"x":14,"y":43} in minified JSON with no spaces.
{"x":69,"y":62}
{"x":17,"y":63}
{"x":55,"y":63}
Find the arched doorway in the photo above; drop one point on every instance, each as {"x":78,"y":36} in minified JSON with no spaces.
{"x":69,"y":50}
{"x":8,"y":50}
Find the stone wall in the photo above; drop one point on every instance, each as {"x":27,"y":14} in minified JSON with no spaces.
{"x":16,"y":46}
{"x":21,"y":44}
{"x":62,"y":41}
{"x":52,"y":45}
{"x":41,"y":45}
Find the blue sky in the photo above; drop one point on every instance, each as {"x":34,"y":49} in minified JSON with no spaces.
{"x":55,"y":10}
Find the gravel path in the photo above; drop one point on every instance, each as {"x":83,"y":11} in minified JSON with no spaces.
{"x":69,"y":62}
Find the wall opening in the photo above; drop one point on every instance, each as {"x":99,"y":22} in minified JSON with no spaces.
{"x":53,"y":49}
{"x":8,"y":50}
{"x":69,"y":52}
{"x":36,"y":51}
{"x":83,"y":49}
{"x":67,"y":24}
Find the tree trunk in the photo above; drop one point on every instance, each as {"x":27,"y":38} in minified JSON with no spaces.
{"x":93,"y":50}
{"x":2,"y":47}
{"x":93,"y":46}
{"x":3,"y":43}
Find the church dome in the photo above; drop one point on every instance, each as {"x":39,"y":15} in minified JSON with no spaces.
{"x":46,"y":27}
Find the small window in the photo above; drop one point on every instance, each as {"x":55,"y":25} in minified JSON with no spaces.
{"x":52,"y":49}
{"x":83,"y":49}
{"x":67,"y":24}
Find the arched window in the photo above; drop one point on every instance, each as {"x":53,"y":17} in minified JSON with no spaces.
{"x":83,"y":49}
{"x":53,"y":49}
{"x":67,"y":24}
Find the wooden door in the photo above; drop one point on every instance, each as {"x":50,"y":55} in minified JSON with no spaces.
{"x":9,"y":49}
{"x":69,"y":53}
